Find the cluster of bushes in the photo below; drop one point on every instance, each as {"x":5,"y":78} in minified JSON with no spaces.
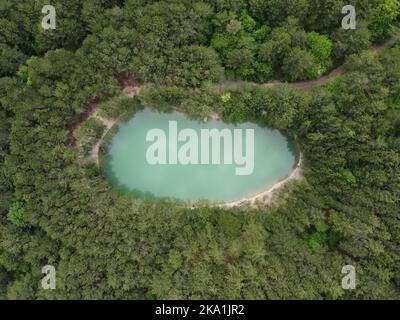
{"x":260,"y":53}
{"x":87,"y":135}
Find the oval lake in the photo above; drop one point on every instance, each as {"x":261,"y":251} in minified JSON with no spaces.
{"x":128,"y":169}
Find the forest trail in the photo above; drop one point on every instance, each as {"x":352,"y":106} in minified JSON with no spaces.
{"x":108,"y":123}
{"x":130,"y":89}
{"x":308,"y":84}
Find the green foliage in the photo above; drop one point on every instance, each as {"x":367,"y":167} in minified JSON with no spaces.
{"x":321,"y":48}
{"x":384,"y":17}
{"x":225,"y":97}
{"x":10,"y":59}
{"x":321,"y":236}
{"x":233,"y":27}
{"x":347,"y":42}
{"x":117,"y":106}
{"x":92,"y":128}
{"x":349,"y":177}
{"x":229,"y":224}
{"x":298,"y":65}
{"x":16,"y":215}
{"x":249,"y":24}
{"x":87,"y":135}
{"x":150,"y":296}
{"x":238,"y":47}
{"x":279,"y":107}
{"x":200,"y":64}
{"x":106,"y":245}
{"x":278,"y":50}
{"x":273,"y":12}
{"x":162,"y":98}
{"x":198,"y":105}
{"x":295,"y":54}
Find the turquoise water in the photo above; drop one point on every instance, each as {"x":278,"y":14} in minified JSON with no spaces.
{"x":128,"y":169}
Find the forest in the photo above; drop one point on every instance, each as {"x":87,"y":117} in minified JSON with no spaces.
{"x":56,"y":209}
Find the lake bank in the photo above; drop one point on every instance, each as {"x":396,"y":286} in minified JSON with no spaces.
{"x":128,"y":169}
{"x":267,"y":196}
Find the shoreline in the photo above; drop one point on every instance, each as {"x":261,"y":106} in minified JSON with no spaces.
{"x":130,"y":88}
{"x":109,"y":124}
{"x":266,"y":196}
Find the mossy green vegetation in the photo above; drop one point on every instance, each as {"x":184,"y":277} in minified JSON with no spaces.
{"x":106,"y":245}
{"x":16,"y":215}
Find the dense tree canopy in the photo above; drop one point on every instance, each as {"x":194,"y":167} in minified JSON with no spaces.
{"x":57,"y":210}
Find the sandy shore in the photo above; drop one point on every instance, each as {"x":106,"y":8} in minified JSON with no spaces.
{"x":267,"y":196}
{"x":108,"y":123}
{"x":128,"y":91}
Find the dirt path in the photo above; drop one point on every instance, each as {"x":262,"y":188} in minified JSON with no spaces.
{"x":267,"y":196}
{"x":131,"y":89}
{"x":308,"y":84}
{"x":128,"y":91}
{"x":108,"y":123}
